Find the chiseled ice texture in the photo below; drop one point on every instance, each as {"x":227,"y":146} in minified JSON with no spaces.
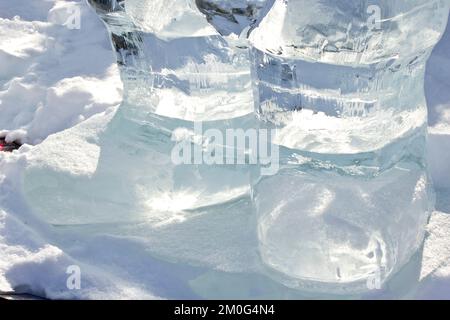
{"x":232,"y":16}
{"x":343,"y":82}
{"x":175,"y":18}
{"x":169,"y":18}
{"x":374,"y":65}
{"x":174,"y":77}
{"x":193,"y":73}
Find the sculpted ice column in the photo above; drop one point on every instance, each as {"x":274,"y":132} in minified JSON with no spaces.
{"x":342,"y":81}
{"x":195,"y":74}
{"x":181,"y":78}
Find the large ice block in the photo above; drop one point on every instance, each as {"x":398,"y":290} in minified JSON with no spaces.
{"x":169,"y":18}
{"x":178,"y":83}
{"x":335,"y":223}
{"x":344,"y":77}
{"x":343,"y":83}
{"x":183,"y":73}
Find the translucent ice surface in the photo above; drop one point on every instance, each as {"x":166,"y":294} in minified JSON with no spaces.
{"x":232,"y":16}
{"x":333,"y":223}
{"x":343,"y":81}
{"x":185,"y":74}
{"x":351,"y":32}
{"x":178,"y":83}
{"x":344,"y":77}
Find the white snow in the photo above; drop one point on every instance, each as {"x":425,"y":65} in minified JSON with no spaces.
{"x":57,"y":80}
{"x":53,"y":77}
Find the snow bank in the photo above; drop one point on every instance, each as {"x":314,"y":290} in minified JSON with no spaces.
{"x":29,"y":264}
{"x":53,"y":76}
{"x":435,"y":272}
{"x":54,"y":72}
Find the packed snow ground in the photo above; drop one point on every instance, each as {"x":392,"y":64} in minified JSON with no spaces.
{"x":54,"y":78}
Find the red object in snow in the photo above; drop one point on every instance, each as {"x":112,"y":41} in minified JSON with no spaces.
{"x":8,"y":146}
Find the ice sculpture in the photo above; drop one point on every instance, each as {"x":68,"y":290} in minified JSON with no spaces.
{"x":343,"y":83}
{"x":181,"y":77}
{"x":169,"y":19}
{"x":194,"y":73}
{"x":233,"y":16}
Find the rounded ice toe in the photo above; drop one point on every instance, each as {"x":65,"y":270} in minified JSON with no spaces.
{"x":326,"y":232}
{"x":122,"y":174}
